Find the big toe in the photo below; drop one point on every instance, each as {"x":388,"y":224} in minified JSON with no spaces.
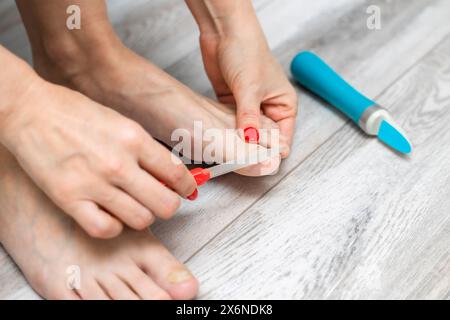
{"x":265,"y":168}
{"x":143,"y":285}
{"x":167,"y":272}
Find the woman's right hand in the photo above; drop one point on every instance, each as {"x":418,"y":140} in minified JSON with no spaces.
{"x":96,"y":165}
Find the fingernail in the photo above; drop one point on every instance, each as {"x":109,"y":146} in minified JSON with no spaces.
{"x":251,"y":135}
{"x":201,"y":176}
{"x":180,"y":276}
{"x":194,"y":195}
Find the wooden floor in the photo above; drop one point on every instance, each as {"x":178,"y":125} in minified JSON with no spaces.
{"x":345,"y":217}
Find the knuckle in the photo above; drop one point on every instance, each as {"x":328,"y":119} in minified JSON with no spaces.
{"x":106,"y":197}
{"x":247,"y":81}
{"x":70,"y":180}
{"x":131,"y":135}
{"x":103,"y":230}
{"x":170,"y":207}
{"x":140,"y":221}
{"x":178,"y":173}
{"x":114,"y":167}
{"x":250,"y":115}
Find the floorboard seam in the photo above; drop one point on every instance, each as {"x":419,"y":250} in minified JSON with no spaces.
{"x":346,"y":123}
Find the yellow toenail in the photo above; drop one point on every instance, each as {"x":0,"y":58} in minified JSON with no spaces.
{"x":179,"y":276}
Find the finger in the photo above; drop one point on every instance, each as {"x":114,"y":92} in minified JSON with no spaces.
{"x":272,"y":138}
{"x":287,"y":127}
{"x":248,"y":112}
{"x":148,"y":191}
{"x":269,"y":134}
{"x":285,"y":116}
{"x":166,"y":167}
{"x":95,"y":221}
{"x":124,"y":207}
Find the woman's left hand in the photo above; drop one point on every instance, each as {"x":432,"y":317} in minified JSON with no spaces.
{"x":244,"y":72}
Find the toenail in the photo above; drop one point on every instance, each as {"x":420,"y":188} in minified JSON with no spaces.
{"x":180,"y":276}
{"x":251,"y":135}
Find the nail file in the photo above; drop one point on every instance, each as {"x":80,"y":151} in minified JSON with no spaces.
{"x":202,"y":175}
{"x":314,"y":74}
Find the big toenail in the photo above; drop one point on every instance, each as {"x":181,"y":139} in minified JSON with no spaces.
{"x":179,"y":276}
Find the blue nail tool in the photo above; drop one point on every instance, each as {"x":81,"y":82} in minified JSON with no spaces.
{"x":314,"y":74}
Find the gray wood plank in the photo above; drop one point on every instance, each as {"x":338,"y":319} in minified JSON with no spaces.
{"x":355,"y":220}
{"x":410,"y":29}
{"x":371,"y":60}
{"x":161,"y":30}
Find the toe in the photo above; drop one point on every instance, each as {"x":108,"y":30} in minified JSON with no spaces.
{"x":53,"y":285}
{"x":92,"y":291}
{"x":143,"y":285}
{"x":266,"y":161}
{"x":62,"y":294}
{"x":170,"y":274}
{"x":117,"y":288}
{"x":266,"y":168}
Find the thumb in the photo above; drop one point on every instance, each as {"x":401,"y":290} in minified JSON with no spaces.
{"x":248,"y":114}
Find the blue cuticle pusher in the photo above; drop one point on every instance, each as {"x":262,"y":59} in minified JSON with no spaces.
{"x":314,"y":74}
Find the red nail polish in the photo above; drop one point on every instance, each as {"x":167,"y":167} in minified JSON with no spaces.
{"x":200,"y":175}
{"x":251,"y":135}
{"x":194,"y":195}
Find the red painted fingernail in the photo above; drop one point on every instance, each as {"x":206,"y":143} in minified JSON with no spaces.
{"x":251,"y":135}
{"x":200,"y":175}
{"x":194,"y":195}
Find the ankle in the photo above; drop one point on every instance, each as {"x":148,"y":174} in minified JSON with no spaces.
{"x":64,"y":57}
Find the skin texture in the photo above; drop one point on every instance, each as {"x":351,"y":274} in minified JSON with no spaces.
{"x":40,"y":239}
{"x":46,"y":244}
{"x":94,"y":62}
{"x":95,"y":164}
{"x":161,"y":104}
{"x":241,"y":67}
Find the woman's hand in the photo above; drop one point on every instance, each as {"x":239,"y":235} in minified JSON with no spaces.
{"x":243,"y":72}
{"x":99,"y":167}
{"x":241,"y":67}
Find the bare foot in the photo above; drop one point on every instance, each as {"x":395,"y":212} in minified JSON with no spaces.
{"x":118,"y":78}
{"x":50,"y":249}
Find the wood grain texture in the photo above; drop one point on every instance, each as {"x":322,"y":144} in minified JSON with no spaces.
{"x":164,"y":32}
{"x":371,"y":60}
{"x":355,"y":220}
